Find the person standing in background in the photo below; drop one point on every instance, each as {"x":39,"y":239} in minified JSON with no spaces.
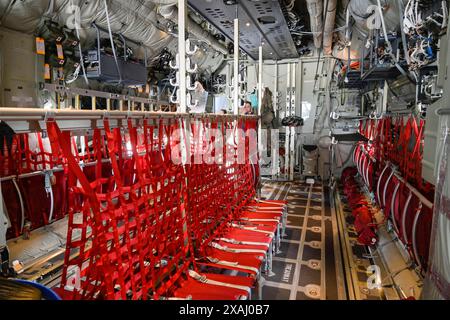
{"x":246,"y":109}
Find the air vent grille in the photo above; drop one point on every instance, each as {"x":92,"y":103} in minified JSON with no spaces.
{"x":260,"y":21}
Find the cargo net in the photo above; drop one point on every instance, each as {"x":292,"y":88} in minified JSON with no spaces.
{"x":138,"y":208}
{"x":34,"y":194}
{"x":221,"y":178}
{"x":127,"y":218}
{"x":35,"y":179}
{"x":390,"y":165}
{"x":399,"y":142}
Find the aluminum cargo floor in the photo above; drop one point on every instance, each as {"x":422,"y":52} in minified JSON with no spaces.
{"x":308,"y":267}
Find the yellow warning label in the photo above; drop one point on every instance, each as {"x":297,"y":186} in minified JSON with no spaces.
{"x":40,"y":46}
{"x":47,"y":75}
{"x":61,"y":73}
{"x":60,"y":51}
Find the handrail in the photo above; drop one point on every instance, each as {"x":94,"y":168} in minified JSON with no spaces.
{"x":24,"y":114}
{"x":416,"y":192}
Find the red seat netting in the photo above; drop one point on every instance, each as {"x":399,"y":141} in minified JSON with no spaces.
{"x":394,"y":142}
{"x":137,"y":219}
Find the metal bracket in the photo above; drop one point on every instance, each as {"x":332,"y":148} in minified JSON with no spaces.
{"x":175,"y":82}
{"x":189,"y":67}
{"x":49,"y":116}
{"x":190,"y":51}
{"x":175,"y":66}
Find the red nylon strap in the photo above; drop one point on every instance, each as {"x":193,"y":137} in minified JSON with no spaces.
{"x":132,"y":239}
{"x":58,"y":141}
{"x":144,"y":226}
{"x":114,"y":151}
{"x":362,"y":213}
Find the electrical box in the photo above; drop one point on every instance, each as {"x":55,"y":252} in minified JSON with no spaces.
{"x":103,"y":67}
{"x":21,"y":69}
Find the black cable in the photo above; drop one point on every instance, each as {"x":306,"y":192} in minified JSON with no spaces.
{"x":321,"y":46}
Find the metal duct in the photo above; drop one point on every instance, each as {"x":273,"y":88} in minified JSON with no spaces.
{"x":362,"y":9}
{"x":330,"y":22}
{"x":133,"y":19}
{"x":137,"y":20}
{"x":171,"y":13}
{"x":315,"y":9}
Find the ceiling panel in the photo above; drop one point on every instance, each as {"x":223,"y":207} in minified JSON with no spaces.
{"x":260,"y":20}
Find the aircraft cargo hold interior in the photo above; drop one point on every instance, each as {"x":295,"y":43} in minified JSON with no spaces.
{"x":224,"y":150}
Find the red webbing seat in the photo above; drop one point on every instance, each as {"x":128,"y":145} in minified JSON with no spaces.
{"x":260,"y":215}
{"x":259,"y":233}
{"x":399,"y":206}
{"x":14,"y":204}
{"x":385,"y":136}
{"x":266,"y":207}
{"x":33,"y":200}
{"x":358,"y":157}
{"x":196,"y":290}
{"x":35,"y":154}
{"x":236,"y":245}
{"x":269,"y":203}
{"x":370,"y":174}
{"x":247,"y":208}
{"x":9,"y":155}
{"x":406,"y":205}
{"x":367,"y":170}
{"x":399,"y":143}
{"x":364,"y":222}
{"x":39,"y":203}
{"x":247,"y":266}
{"x":247,"y":259}
{"x":383,"y":178}
{"x":388,"y":195}
{"x":218,"y":197}
{"x":356,"y":154}
{"x":387,"y":192}
{"x":412,"y":207}
{"x":133,"y":241}
{"x":421,"y":234}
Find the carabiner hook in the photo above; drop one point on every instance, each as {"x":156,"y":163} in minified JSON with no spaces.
{"x":188,"y":48}
{"x":175,"y":82}
{"x":175,"y":66}
{"x":172,"y":97}
{"x":189,"y":67}
{"x":189,"y":102}
{"x":334,"y":141}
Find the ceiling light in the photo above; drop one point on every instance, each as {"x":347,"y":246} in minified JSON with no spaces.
{"x":248,"y":24}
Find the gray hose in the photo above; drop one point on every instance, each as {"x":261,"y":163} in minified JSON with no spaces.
{"x":112,"y":41}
